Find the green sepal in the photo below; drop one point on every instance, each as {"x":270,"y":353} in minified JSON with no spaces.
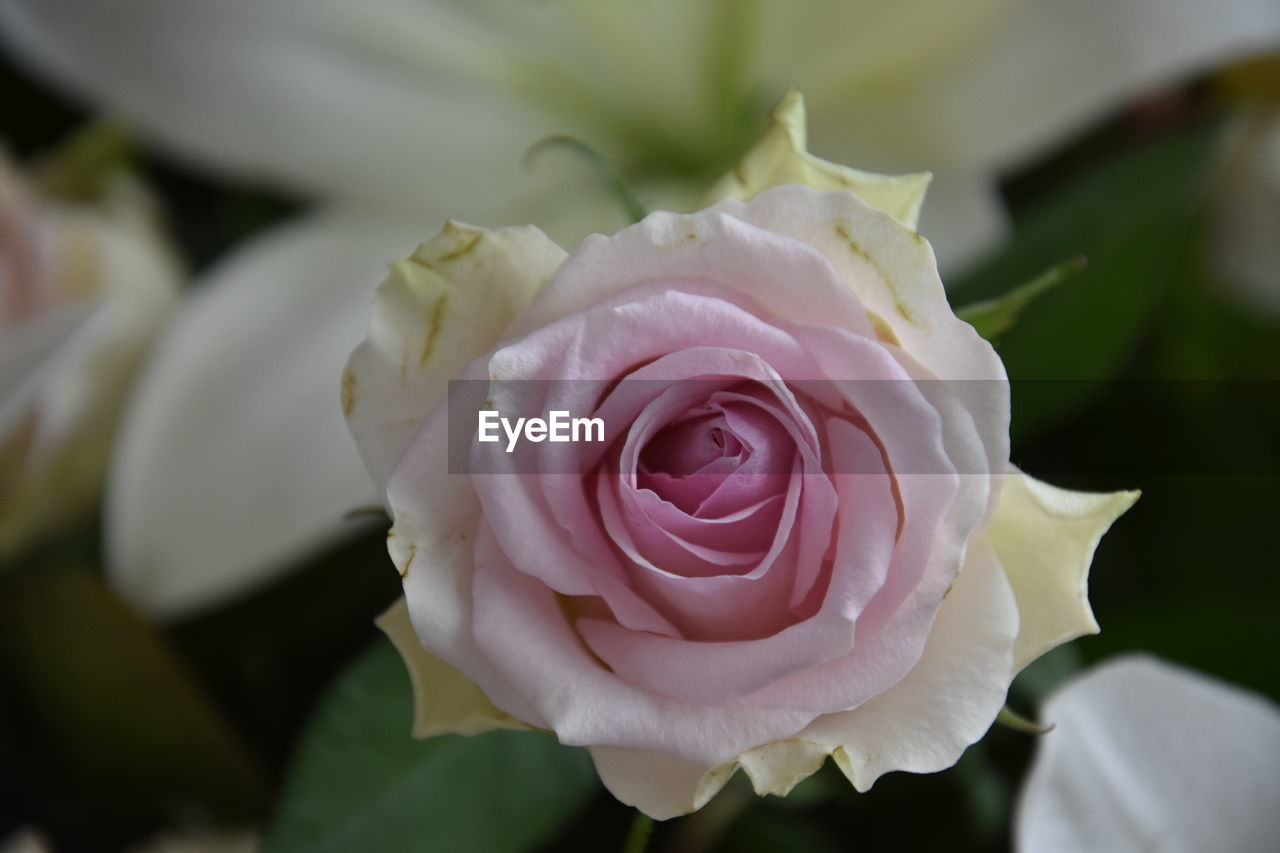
{"x":994,"y":317}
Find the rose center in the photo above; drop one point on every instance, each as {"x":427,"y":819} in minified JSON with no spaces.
{"x":717,"y":458}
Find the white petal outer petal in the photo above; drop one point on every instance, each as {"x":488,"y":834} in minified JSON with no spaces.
{"x":894,"y":274}
{"x":948,"y":701}
{"x":777,"y":767}
{"x":234,"y":458}
{"x":658,"y":785}
{"x":445,"y":305}
{"x":444,"y":700}
{"x":923,"y":724}
{"x":1045,"y":538}
{"x":1063,"y":63}
{"x":781,"y":157}
{"x":1145,"y":755}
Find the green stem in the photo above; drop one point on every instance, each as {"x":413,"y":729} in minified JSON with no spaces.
{"x":729,"y":71}
{"x":612,"y":177}
{"x":638,"y":835}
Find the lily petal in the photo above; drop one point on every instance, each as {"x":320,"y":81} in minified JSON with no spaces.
{"x":1061,"y":64}
{"x":782,"y":157}
{"x":380,"y":104}
{"x":1045,"y":538}
{"x":965,"y":218}
{"x":445,"y":305}
{"x":444,"y":700}
{"x":1145,"y":755}
{"x":234,"y":459}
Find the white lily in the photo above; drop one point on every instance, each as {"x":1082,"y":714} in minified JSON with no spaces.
{"x":1145,"y":755}
{"x":422,"y":109}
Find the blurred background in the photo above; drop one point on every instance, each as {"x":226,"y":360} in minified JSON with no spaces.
{"x":198,"y":200}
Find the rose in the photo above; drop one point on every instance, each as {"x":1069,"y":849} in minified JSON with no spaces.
{"x":83,"y":289}
{"x":801,"y":537}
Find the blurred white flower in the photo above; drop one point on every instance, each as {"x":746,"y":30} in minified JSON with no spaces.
{"x":83,"y":290}
{"x":1246,"y":220}
{"x":415,"y":108}
{"x":225,"y":841}
{"x":25,"y":840}
{"x":1145,"y":755}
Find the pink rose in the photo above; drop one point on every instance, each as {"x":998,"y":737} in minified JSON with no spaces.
{"x":800,"y":538}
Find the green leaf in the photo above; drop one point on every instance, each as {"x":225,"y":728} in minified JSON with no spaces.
{"x":994,"y":317}
{"x":361,"y":783}
{"x":987,"y":794}
{"x":1133,"y":217}
{"x":113,"y":722}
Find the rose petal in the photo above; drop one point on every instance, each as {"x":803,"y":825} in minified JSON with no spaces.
{"x":437,"y":523}
{"x":1045,"y":538}
{"x":658,"y":785}
{"x":922,"y":724}
{"x":444,"y":700}
{"x":720,"y":672}
{"x":782,"y":157}
{"x":777,"y":767}
{"x":718,"y":245}
{"x":925,"y":722}
{"x":443,"y":306}
{"x":533,"y":488}
{"x":584,"y":703}
{"x":893,"y":272}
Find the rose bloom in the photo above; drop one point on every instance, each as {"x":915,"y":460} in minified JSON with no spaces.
{"x":84,"y":287}
{"x":802,"y":536}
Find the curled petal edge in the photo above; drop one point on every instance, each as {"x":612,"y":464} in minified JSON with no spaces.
{"x":781,"y":157}
{"x":972,"y":641}
{"x":1045,"y":537}
{"x":444,"y":700}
